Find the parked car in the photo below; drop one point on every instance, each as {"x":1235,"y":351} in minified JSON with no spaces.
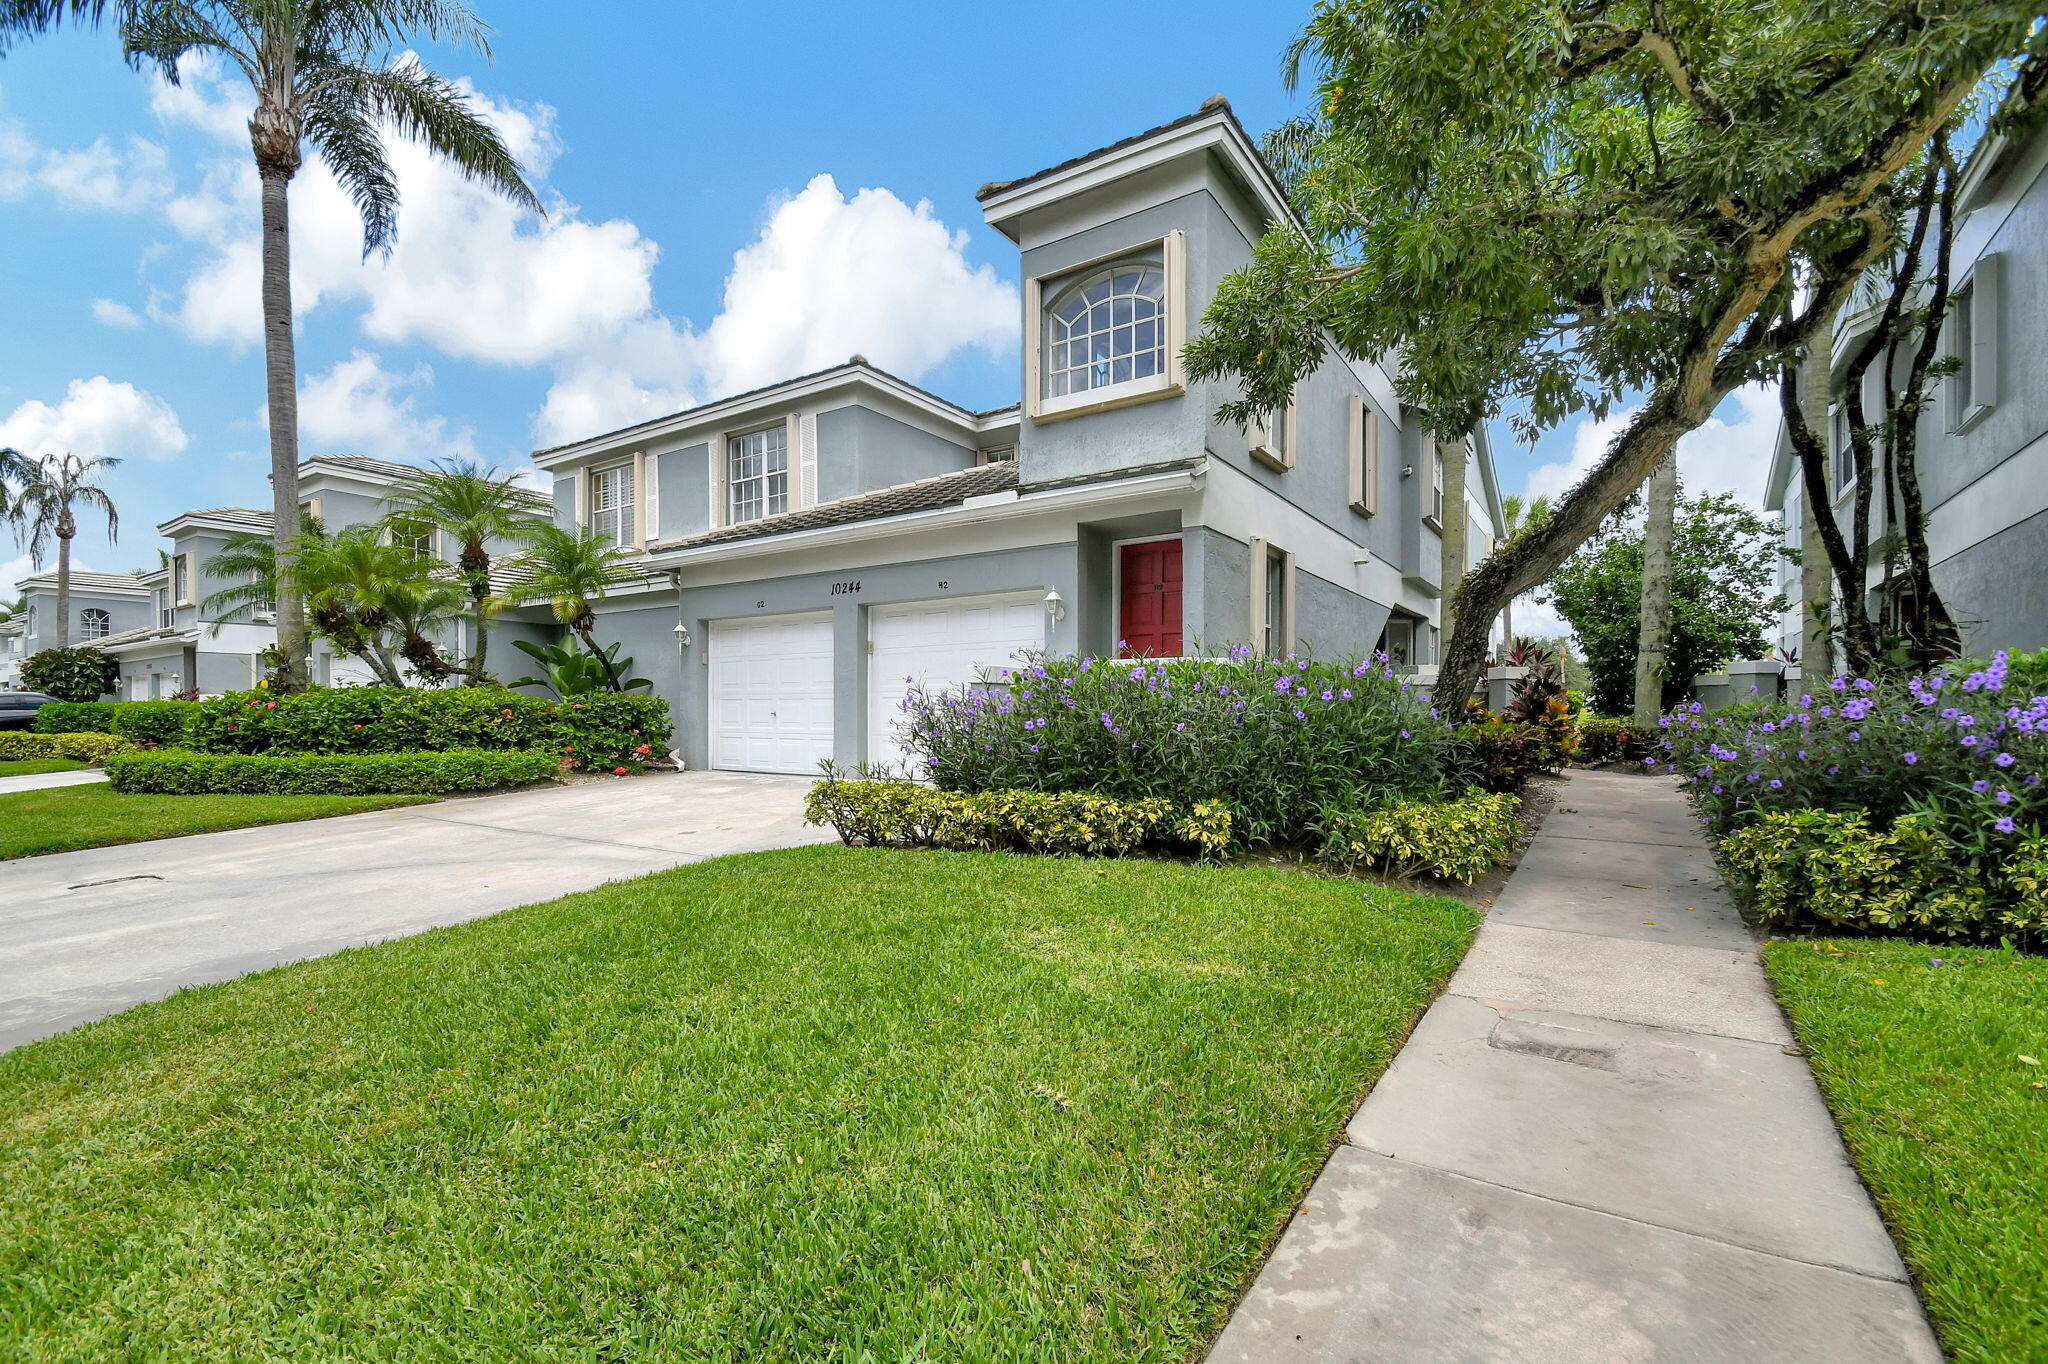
{"x":18,"y":708}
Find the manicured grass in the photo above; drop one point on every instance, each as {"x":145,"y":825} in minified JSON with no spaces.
{"x":822,"y":1104}
{"x":1938,"y":1075}
{"x":34,"y":767}
{"x":65,"y":818}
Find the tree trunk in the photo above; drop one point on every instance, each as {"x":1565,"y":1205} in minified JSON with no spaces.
{"x":63,"y":589}
{"x":478,"y":593}
{"x":1816,"y":572}
{"x":1452,"y":565}
{"x":1653,"y":631}
{"x":280,"y":373}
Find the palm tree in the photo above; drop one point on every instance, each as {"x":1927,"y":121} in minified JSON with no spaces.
{"x":322,"y":71}
{"x":373,"y":599}
{"x":1513,"y":522}
{"x":247,"y":562}
{"x":571,"y":570}
{"x":42,"y":508}
{"x":472,"y":505}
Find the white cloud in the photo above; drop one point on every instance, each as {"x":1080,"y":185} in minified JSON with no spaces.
{"x":1720,"y":456}
{"x":12,"y":571}
{"x":124,"y":178}
{"x":481,"y":279}
{"x":97,"y":417}
{"x":361,"y":407}
{"x":115,"y":314}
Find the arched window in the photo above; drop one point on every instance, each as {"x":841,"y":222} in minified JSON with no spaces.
{"x":93,"y":623}
{"x":31,"y":621}
{"x":1109,"y":328}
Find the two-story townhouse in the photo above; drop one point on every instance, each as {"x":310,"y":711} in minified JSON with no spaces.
{"x":102,"y":605}
{"x":815,"y":548}
{"x":11,"y":651}
{"x":1983,"y":441}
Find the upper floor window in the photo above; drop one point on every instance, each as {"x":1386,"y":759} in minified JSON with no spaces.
{"x":1436,"y":488}
{"x":1108,"y":329}
{"x":757,"y":474}
{"x":1973,"y":345}
{"x":161,"y":600}
{"x":31,"y":620}
{"x":1841,"y":449}
{"x":415,"y":536}
{"x":181,"y":578}
{"x":611,"y":503}
{"x":93,"y":623}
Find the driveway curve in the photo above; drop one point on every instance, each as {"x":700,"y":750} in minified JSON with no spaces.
{"x":84,"y":934}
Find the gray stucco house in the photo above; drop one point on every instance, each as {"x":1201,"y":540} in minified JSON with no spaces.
{"x":1984,"y":440}
{"x":815,"y":547}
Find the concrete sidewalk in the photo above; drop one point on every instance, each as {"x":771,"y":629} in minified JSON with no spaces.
{"x":83,"y":934}
{"x":43,"y":780}
{"x":1598,"y":1145}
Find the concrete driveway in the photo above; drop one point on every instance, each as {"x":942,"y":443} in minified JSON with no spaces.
{"x":84,"y":934}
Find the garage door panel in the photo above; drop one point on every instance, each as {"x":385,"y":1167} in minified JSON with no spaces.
{"x":771,"y":694}
{"x":940,"y":645}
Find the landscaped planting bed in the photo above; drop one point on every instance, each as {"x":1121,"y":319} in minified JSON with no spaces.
{"x":67,"y":818}
{"x":819,"y":1104}
{"x":1935,"y":1062}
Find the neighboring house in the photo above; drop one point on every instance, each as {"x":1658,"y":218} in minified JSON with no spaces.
{"x":1983,"y":441}
{"x":11,"y":651}
{"x":102,"y":605}
{"x":815,"y":548}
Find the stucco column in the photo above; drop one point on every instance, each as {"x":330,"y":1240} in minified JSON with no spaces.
{"x":1452,"y":573}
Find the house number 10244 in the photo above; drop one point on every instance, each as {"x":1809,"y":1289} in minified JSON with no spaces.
{"x":842,"y":589}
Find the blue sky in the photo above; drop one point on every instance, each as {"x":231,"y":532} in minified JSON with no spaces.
{"x":691,"y":246}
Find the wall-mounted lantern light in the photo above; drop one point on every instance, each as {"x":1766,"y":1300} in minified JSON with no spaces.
{"x":1054,"y":606}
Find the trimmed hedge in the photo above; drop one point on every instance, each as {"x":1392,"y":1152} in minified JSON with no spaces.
{"x":19,"y":746}
{"x":177,"y":772}
{"x":142,"y":722}
{"x":1455,"y":839}
{"x":1069,"y":823}
{"x":1603,"y":740}
{"x":599,"y":732}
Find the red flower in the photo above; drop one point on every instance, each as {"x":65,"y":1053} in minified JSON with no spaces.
{"x":618,"y":771}
{"x":644,"y":748}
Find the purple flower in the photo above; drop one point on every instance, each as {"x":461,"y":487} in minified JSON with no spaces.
{"x":1777,"y":785}
{"x":2005,"y":824}
{"x":2003,"y":797}
{"x":1329,"y":695}
{"x":1980,"y":787}
{"x":2005,"y":760}
{"x":1180,"y":725}
{"x":1839,"y":684}
{"x":1404,"y":733}
{"x":1911,"y":758}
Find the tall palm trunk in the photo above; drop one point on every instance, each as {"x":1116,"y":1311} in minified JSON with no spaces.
{"x":65,"y":531}
{"x":479,"y":590}
{"x":1653,"y":631}
{"x":280,"y":373}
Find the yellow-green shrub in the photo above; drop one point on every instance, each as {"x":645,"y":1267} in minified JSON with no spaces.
{"x":84,"y":747}
{"x":1067,"y":823}
{"x":1803,"y":866}
{"x":1455,"y":839}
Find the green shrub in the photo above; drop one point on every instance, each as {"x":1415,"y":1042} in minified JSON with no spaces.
{"x":1455,"y":839}
{"x":1272,"y":739}
{"x":85,"y":747}
{"x":1603,"y":740}
{"x":77,"y":674}
{"x":1499,"y":755}
{"x":178,"y":772}
{"x":595,"y":732}
{"x":1070,"y":823}
{"x":75,"y":717}
{"x":1808,"y":867}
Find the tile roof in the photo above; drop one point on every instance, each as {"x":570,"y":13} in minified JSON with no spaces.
{"x":365,"y":463}
{"x":1209,"y":106}
{"x":84,"y":578}
{"x":247,"y":516}
{"x":147,"y":632}
{"x":857,"y":362}
{"x":928,"y":494}
{"x":1164,"y":466}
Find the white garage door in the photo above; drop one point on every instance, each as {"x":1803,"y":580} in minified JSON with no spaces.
{"x":771,"y":693}
{"x":941,"y":644}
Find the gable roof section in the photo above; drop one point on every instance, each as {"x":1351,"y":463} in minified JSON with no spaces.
{"x":84,"y":581}
{"x":217,"y":518}
{"x":927,"y":494}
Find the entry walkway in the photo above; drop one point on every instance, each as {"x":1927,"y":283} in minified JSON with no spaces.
{"x":83,"y":934}
{"x":42,"y":781}
{"x":1598,"y":1145}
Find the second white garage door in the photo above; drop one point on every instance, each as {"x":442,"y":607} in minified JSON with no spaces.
{"x":771,"y":693}
{"x":941,"y":644}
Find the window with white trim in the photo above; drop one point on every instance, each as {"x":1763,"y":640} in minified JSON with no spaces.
{"x":1107,"y":329}
{"x":1276,"y":642}
{"x":181,"y":579}
{"x":611,"y":503}
{"x":161,"y":599}
{"x":757,"y":474}
{"x":1364,"y":479}
{"x":1436,"y":488}
{"x":1972,"y":344}
{"x":93,"y":623}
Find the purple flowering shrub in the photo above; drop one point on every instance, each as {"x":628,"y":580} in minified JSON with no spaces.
{"x":1275,"y":740}
{"x":1940,"y":779}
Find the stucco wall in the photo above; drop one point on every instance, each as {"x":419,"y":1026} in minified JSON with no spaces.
{"x":860,"y":450}
{"x":1997,"y":590}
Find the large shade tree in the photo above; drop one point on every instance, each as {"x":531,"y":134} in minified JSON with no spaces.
{"x":1559,"y":204}
{"x":50,"y":492}
{"x":333,"y":74}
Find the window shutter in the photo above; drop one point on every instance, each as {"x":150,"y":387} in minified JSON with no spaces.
{"x":715,"y":480}
{"x":638,"y":492}
{"x":1983,"y":356}
{"x":1174,"y":253}
{"x":1287,"y":438}
{"x":1287,"y":604}
{"x":1034,"y":323}
{"x":1357,"y":482}
{"x":807,"y":460}
{"x":650,"y":494}
{"x":1257,"y":577}
{"x":191,"y":578}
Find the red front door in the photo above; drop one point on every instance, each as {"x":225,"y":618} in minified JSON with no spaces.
{"x":1149,"y":602}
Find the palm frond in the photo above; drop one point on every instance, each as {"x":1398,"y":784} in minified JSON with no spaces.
{"x":433,"y":110}
{"x":344,"y":131}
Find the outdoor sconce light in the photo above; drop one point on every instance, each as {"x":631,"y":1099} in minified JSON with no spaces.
{"x":1054,"y":606}
{"x":682,"y":635}
{"x":675,"y":580}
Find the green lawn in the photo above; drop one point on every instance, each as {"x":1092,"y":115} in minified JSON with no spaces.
{"x":64,"y":818}
{"x":817,"y":1104}
{"x":1938,"y":1076}
{"x":35,"y":767}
